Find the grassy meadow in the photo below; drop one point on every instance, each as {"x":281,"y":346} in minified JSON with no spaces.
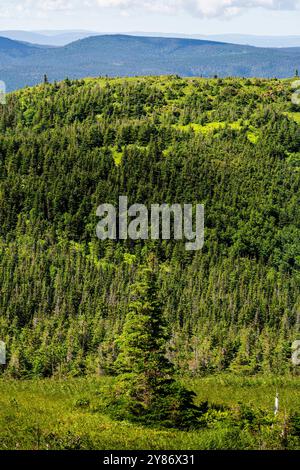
{"x":69,"y":414}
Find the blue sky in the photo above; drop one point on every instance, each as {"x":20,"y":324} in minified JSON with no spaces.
{"x":269,"y":17}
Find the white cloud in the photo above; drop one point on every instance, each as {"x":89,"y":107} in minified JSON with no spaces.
{"x":205,"y":8}
{"x":35,"y":6}
{"x":54,"y":5}
{"x":202,"y":8}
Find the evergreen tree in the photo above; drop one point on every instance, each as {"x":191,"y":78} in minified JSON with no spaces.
{"x":67,"y":147}
{"x":146,"y":389}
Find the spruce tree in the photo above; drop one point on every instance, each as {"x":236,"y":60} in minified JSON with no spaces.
{"x":146,"y":389}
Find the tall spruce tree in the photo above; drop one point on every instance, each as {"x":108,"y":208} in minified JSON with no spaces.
{"x":146,"y":388}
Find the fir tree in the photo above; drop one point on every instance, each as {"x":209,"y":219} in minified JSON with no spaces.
{"x":146,"y":389}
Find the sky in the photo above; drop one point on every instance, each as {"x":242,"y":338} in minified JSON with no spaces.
{"x":261,"y":17}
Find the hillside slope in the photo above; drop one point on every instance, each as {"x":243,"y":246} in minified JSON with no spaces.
{"x":11,"y":51}
{"x":233,"y":145}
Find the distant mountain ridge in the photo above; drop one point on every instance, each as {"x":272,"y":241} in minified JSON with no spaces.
{"x":15,"y":48}
{"x":121,"y":55}
{"x":239,"y":39}
{"x":50,"y":38}
{"x":64,"y":37}
{"x":257,"y":41}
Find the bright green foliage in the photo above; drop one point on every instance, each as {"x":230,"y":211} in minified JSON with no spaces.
{"x":145,"y":388}
{"x":68,"y":147}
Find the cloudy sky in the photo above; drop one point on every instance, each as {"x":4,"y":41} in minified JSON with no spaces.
{"x":275,"y":17}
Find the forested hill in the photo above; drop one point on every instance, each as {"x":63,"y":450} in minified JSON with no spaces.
{"x":122,"y":55}
{"x":233,"y":145}
{"x":12,"y":50}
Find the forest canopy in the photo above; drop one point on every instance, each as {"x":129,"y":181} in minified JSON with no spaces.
{"x":230,"y":144}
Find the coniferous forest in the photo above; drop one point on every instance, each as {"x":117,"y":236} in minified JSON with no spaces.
{"x":230,"y":310}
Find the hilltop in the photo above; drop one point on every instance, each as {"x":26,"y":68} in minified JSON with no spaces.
{"x":122,"y":55}
{"x":232,"y":145}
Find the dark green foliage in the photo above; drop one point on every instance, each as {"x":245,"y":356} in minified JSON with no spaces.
{"x":69,"y":147}
{"x":295,"y":424}
{"x":145,"y":389}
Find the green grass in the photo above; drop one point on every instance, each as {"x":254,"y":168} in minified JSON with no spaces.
{"x":66,"y":414}
{"x":253,"y":137}
{"x":117,"y":156}
{"x":294,"y":116}
{"x":211,"y":127}
{"x":258,"y":391}
{"x":198,"y":128}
